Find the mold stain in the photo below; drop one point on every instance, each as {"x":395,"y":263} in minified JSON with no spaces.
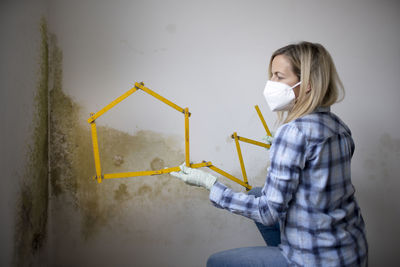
{"x":118,"y":160}
{"x":62,"y":157}
{"x":157,"y":164}
{"x":62,"y":128}
{"x":143,"y":190}
{"x":71,"y":162}
{"x":122,"y":194}
{"x":72,"y":167}
{"x":32,"y":205}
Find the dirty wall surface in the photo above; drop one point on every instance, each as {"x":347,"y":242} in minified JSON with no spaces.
{"x":217,"y":67}
{"x":144,"y":221}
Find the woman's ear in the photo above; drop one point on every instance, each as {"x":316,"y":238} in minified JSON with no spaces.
{"x":308,"y":89}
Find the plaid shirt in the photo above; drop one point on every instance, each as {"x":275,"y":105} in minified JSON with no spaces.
{"x":309,"y":191}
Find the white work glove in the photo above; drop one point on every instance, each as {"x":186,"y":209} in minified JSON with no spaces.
{"x":195,"y":177}
{"x":268,"y":139}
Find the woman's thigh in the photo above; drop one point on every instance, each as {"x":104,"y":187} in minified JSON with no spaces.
{"x":248,"y":256}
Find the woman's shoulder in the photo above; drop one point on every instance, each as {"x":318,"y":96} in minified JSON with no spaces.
{"x":319,"y":124}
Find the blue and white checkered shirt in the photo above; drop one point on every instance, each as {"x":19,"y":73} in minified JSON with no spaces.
{"x":309,"y":191}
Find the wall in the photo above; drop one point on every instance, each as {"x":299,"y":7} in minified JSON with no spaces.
{"x":210,"y":56}
{"x":24,"y":144}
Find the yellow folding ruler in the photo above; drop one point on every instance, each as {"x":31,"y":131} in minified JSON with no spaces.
{"x":140,"y":86}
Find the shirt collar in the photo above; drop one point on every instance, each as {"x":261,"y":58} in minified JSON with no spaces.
{"x":323,"y":109}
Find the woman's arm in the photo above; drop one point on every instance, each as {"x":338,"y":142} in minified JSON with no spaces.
{"x":287,"y":161}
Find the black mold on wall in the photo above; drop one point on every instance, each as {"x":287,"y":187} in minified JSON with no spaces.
{"x":32,"y":205}
{"x":59,"y":194}
{"x":72,"y":167}
{"x":63,"y":124}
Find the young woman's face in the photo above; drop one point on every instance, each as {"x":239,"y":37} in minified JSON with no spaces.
{"x":281,"y":69}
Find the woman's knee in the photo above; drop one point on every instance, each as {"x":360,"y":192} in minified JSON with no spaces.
{"x":219,"y":259}
{"x":248,"y":256}
{"x":213,"y":261}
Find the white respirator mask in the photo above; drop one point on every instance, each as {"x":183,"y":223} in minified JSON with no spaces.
{"x":279,"y":96}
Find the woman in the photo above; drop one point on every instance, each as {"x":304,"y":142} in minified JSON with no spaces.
{"x":308,"y":193}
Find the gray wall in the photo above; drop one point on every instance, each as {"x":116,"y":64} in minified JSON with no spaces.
{"x":210,"y":56}
{"x":23,"y":119}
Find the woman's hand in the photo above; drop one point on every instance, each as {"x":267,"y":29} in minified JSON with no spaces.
{"x":268,"y":139}
{"x":195,"y":177}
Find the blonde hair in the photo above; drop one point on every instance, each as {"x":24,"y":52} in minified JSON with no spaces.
{"x":314,"y":67}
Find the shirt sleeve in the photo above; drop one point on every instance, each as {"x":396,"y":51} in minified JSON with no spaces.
{"x":287,"y":161}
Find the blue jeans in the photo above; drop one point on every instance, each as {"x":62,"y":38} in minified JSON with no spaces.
{"x":253,"y":256}
{"x":271,"y":234}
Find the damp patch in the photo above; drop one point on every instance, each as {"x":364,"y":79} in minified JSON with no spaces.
{"x":72,"y":168}
{"x":32,"y":203}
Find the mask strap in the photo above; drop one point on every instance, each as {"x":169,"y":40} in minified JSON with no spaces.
{"x":296,"y":85}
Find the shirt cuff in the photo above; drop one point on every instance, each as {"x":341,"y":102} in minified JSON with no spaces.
{"x":216,"y":192}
